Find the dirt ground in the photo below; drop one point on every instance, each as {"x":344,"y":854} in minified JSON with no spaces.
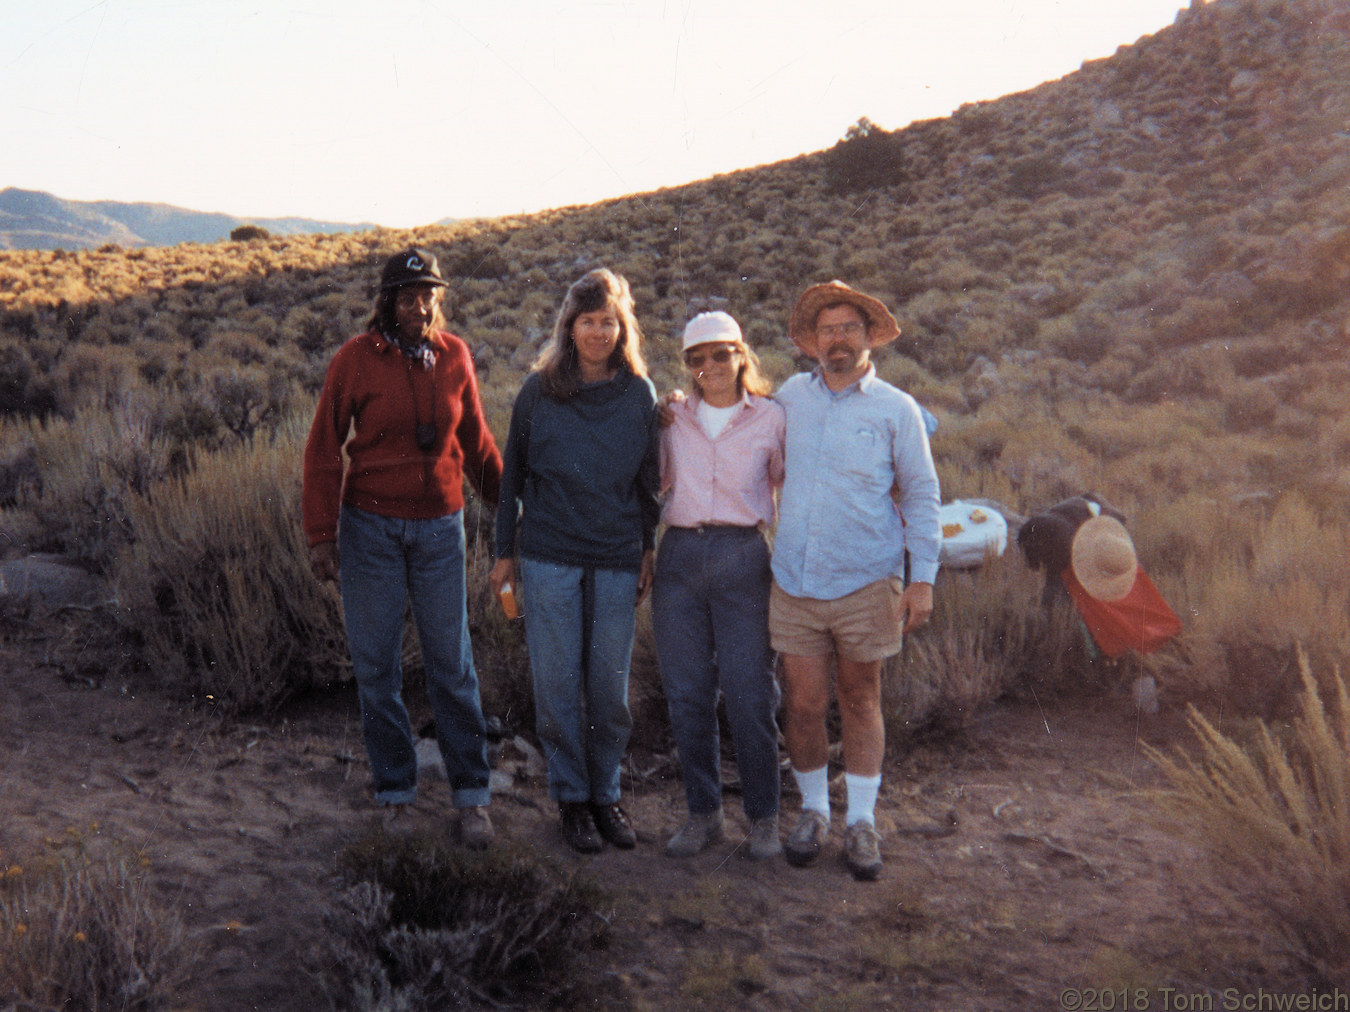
{"x":1020,"y":858}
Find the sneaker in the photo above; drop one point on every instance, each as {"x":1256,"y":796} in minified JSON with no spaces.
{"x":764,"y":842}
{"x":807,"y":837}
{"x":578,"y":827}
{"x":862,"y":851}
{"x":614,"y":826}
{"x":698,"y":833}
{"x":475,"y":828}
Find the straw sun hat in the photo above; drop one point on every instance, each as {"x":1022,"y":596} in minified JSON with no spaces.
{"x":1103,"y":559}
{"x":802,"y":323}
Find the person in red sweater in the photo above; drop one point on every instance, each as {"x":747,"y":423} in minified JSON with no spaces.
{"x":400,"y":402}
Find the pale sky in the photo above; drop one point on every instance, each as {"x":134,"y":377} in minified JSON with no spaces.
{"x":402,"y":112}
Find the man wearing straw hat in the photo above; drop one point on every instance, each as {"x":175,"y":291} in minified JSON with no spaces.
{"x":860,"y":489}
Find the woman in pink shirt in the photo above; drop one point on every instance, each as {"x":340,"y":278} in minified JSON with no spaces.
{"x":721,"y":462}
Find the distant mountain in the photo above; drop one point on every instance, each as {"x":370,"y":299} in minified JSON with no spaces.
{"x":31,"y":219}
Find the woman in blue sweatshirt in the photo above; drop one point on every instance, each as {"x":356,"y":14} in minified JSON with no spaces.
{"x":578,"y":504}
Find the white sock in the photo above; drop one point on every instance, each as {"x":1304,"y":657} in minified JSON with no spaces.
{"x":815,"y":788}
{"x":862,"y":798}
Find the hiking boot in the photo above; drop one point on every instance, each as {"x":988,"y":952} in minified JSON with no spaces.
{"x":475,"y":828}
{"x":614,"y":826}
{"x":806,"y":838}
{"x":764,"y":842}
{"x":862,"y":851}
{"x":698,"y":833}
{"x":578,"y":828}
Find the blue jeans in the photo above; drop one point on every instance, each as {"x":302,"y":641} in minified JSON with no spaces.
{"x":579,"y":623}
{"x":710,"y":610}
{"x":384,"y":563}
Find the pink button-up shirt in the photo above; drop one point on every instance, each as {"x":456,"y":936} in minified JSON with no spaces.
{"x":727,"y":480}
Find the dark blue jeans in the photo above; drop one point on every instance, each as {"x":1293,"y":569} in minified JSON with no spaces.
{"x":710,"y":610}
{"x":384,"y":563}
{"x":579,"y":624}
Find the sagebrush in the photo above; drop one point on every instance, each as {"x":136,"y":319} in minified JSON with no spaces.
{"x":420,"y":923}
{"x":83,"y":928}
{"x":1274,"y":816}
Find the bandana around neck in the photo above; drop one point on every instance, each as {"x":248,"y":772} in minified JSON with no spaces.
{"x":422,"y":352}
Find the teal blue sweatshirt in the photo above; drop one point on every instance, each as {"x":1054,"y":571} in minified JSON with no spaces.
{"x":582,"y":475}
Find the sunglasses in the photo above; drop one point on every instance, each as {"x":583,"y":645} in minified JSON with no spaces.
{"x":695,"y":359}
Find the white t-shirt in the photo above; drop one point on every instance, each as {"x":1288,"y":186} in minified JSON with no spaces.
{"x":714,"y":420}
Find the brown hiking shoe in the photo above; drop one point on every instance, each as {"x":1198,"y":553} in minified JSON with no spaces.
{"x":614,"y":826}
{"x":862,"y":851}
{"x":764,"y":842}
{"x":698,"y":833}
{"x":807,"y":837}
{"x":578,"y":827}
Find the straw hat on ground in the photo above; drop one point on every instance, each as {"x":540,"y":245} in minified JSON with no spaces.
{"x":1103,"y":558}
{"x":882,"y":328}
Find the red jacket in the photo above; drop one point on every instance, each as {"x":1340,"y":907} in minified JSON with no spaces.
{"x":378,"y":395}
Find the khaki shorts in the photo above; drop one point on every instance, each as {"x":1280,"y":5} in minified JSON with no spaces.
{"x":861,"y":626}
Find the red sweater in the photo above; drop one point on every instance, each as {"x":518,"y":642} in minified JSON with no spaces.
{"x":373,"y":398}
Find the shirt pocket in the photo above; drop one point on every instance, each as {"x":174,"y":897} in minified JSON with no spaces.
{"x":864,"y":456}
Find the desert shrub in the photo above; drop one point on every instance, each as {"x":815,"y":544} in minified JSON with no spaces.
{"x":248,"y":399}
{"x":1255,"y":588}
{"x":944,"y":679}
{"x":24,"y":391}
{"x":217,"y":583}
{"x":1249,"y":405}
{"x":81,"y":929}
{"x":866,"y":158}
{"x":84,"y":472}
{"x":247,"y":233}
{"x":1285,"y":794}
{"x":420,"y":923}
{"x":989,"y":635}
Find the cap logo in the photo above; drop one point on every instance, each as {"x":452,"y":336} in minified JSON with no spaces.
{"x":414,"y":263}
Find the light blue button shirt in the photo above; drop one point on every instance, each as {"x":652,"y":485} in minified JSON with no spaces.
{"x":839,"y":528}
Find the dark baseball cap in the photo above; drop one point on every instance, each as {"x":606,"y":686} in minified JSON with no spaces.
{"x":414,"y":266}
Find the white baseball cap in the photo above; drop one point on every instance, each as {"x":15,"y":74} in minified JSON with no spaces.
{"x":712,"y":328}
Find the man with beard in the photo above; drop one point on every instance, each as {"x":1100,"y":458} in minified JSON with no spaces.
{"x":860,"y":490}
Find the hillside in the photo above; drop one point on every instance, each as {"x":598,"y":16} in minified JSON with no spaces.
{"x":30,"y":219}
{"x":1132,"y":279}
{"x":1169,"y":223}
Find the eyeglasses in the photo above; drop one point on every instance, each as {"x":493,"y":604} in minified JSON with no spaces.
{"x":695,"y":359}
{"x":851,"y":329}
{"x":408,"y":297}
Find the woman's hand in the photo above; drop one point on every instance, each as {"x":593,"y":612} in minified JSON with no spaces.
{"x":502,"y":573}
{"x":665,"y":413}
{"x":323,"y":561}
{"x":646,"y":573}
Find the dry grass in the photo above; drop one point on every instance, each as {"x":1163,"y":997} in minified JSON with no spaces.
{"x":217,"y":582}
{"x":1285,"y":794}
{"x":423,"y":924}
{"x":1254,"y":582}
{"x":989,"y":636}
{"x":80,"y":928}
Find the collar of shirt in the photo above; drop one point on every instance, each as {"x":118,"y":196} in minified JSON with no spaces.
{"x":383,"y":344}
{"x":691,"y":403}
{"x":863,"y":384}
